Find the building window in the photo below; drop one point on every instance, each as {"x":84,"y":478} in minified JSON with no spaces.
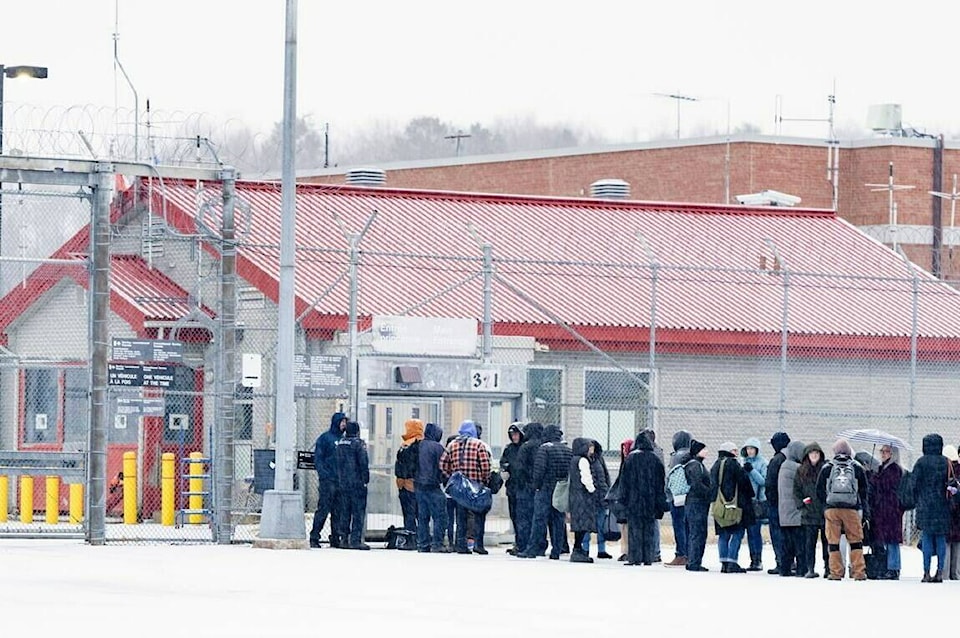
{"x":243,"y":411}
{"x":544,"y":395}
{"x":615,"y":406}
{"x":388,"y":422}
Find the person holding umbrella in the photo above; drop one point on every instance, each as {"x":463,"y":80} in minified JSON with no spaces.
{"x":887,"y":521}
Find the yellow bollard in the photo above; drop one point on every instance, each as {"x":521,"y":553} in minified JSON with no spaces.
{"x":4,"y":497}
{"x":196,"y":487}
{"x":53,"y":500}
{"x":26,"y":499}
{"x":130,"y":488}
{"x":167,"y":489}
{"x":76,"y":502}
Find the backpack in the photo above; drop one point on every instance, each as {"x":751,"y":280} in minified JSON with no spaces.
{"x":677,"y":485}
{"x":842,"y":486}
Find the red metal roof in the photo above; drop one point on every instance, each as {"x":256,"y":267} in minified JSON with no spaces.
{"x":552,"y":250}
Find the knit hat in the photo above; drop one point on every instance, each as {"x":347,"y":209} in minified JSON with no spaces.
{"x":950,"y":451}
{"x":779,"y":441}
{"x":729,"y":446}
{"x":696,"y":447}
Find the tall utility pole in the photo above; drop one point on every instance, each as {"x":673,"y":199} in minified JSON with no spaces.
{"x":460,"y":135}
{"x":679,"y":98}
{"x":953,"y":196}
{"x":833,"y":144}
{"x":282,"y":518}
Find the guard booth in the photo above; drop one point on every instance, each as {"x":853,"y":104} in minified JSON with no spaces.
{"x":430,"y":369}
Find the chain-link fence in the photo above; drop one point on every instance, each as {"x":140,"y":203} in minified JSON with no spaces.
{"x":408,"y":307}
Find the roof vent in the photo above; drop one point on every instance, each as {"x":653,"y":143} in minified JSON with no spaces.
{"x":610,"y":189}
{"x":367,"y":177}
{"x":768,"y":198}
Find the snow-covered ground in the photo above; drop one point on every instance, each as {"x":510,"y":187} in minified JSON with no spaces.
{"x":57,"y":587}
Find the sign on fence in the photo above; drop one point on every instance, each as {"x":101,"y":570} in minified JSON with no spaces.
{"x":146,"y":350}
{"x":130,"y":376}
{"x":320,"y":375}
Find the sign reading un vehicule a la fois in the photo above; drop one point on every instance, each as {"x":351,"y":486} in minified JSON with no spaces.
{"x":429,"y":336}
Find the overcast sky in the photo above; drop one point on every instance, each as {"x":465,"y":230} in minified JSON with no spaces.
{"x":596,"y":64}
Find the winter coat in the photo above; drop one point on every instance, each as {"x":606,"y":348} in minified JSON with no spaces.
{"x":552,"y":460}
{"x":930,"y":487}
{"x":886,"y":517}
{"x":771,"y":489}
{"x":788,"y":506}
{"x":353,"y":464}
{"x":698,"y":478}
{"x":758,"y":472}
{"x":430,"y":450}
{"x":805,"y":486}
{"x":954,"y":535}
{"x":508,"y":457}
{"x":681,"y":449}
{"x":735,"y":481}
{"x":324,"y":450}
{"x":408,"y":456}
{"x":521,"y":469}
{"x":467,"y":454}
{"x":651,"y":436}
{"x":642,"y":483}
{"x":588,"y":486}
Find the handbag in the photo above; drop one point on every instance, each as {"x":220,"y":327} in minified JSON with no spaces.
{"x":611,"y":528}
{"x":468,"y":493}
{"x":761,"y":510}
{"x":495,"y":482}
{"x":561,"y":496}
{"x":726,"y":513}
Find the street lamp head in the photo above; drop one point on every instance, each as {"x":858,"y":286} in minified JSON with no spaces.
{"x":22,"y":71}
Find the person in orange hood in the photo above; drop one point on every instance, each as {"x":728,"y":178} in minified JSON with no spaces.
{"x":405,"y":469}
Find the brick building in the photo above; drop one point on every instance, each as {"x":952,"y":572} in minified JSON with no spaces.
{"x":711,"y":170}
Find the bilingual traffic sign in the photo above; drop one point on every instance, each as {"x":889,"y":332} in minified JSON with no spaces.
{"x":151,"y":350}
{"x":136,"y":376}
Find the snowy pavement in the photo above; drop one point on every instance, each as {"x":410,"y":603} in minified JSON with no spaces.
{"x":56,"y":587}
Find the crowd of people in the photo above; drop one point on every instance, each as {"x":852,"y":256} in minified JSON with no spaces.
{"x":847,"y":502}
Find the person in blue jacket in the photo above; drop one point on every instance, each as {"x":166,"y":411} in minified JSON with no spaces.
{"x":755,"y":467}
{"x":353,"y":475}
{"x":328,"y":501}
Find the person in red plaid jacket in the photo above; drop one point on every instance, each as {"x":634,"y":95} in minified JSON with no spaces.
{"x":475,"y":465}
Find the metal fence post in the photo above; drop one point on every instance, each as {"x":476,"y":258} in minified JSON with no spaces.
{"x":487,"y":303}
{"x":915,"y":298}
{"x":654,"y":266}
{"x":354,"y":241}
{"x":224,"y":460}
{"x":781,"y":266}
{"x":99,"y":265}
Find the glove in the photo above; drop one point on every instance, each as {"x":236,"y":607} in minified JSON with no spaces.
{"x":952,"y":489}
{"x":748,"y":467}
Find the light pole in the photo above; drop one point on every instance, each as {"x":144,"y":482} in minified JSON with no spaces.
{"x":13,"y":72}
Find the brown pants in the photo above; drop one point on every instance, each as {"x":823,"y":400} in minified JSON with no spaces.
{"x":845,"y":522}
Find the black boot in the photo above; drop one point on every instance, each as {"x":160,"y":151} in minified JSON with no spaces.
{"x":734,"y":568}
{"x":723,"y":568}
{"x":755,"y":564}
{"x":579,"y":556}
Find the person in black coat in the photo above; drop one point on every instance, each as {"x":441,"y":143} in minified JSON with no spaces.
{"x":588,"y":486}
{"x":697,"y":506}
{"x":643,"y":497}
{"x":551,"y":463}
{"x":735,"y":484}
{"x":507,"y":459}
{"x":353,"y":472}
{"x":779,"y":442}
{"x":521,"y":471}
{"x":930,"y":477}
{"x":328,"y":495}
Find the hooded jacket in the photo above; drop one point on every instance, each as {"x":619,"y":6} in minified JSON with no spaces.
{"x":467,"y":454}
{"x":324,"y":450}
{"x":408,"y":456}
{"x":735,"y":481}
{"x":353,"y":464}
{"x":429,"y":451}
{"x":681,"y":448}
{"x":930,"y":487}
{"x":861,"y":476}
{"x":698,"y":477}
{"x":779,"y":441}
{"x":588,"y":486}
{"x":552,"y":460}
{"x":652,"y":437}
{"x":805,"y":486}
{"x":758,"y":471}
{"x":522,"y":466}
{"x":509,"y":456}
{"x":642,"y":487}
{"x":788,"y":504}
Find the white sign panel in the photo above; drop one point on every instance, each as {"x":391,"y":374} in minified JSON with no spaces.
{"x":487,"y":379}
{"x":440,"y":337}
{"x":251,"y":370}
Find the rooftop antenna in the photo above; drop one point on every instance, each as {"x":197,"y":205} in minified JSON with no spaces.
{"x":118,"y":65}
{"x":833,"y":144}
{"x":679,"y":98}
{"x":953,"y":196}
{"x":460,"y":135}
{"x":890,"y":187}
